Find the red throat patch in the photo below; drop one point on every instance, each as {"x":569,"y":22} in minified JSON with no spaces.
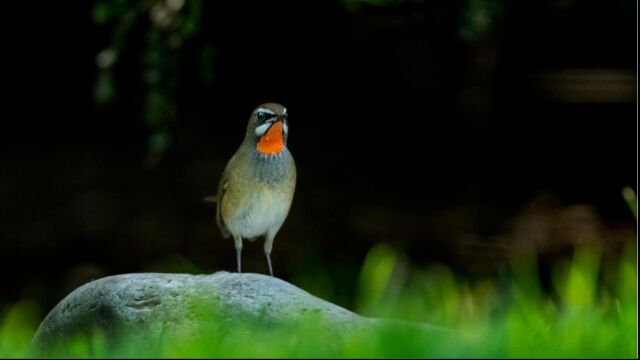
{"x":271,"y":142}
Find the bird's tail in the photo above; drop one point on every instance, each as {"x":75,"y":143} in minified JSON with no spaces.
{"x":211,"y":199}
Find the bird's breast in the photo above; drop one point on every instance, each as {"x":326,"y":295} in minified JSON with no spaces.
{"x":272,"y":169}
{"x":259,"y":193}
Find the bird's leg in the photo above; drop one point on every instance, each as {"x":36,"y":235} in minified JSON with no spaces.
{"x":238,"y":241}
{"x":269,"y":263}
{"x":268,"y":244}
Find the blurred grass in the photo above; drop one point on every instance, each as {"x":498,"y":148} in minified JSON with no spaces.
{"x":630,"y":197}
{"x":590,"y":316}
{"x":588,"y":310}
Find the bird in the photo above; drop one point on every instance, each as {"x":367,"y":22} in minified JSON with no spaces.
{"x":256,"y":188}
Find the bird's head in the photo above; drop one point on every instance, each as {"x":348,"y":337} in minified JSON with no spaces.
{"x":268,"y":128}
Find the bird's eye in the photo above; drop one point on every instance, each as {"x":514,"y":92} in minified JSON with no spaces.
{"x":261,"y":116}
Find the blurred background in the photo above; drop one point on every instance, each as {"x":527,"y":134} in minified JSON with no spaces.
{"x":453,"y":132}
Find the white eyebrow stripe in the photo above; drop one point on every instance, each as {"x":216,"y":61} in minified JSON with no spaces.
{"x":268,"y":111}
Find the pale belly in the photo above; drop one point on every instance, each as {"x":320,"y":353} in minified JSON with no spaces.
{"x":265,"y":211}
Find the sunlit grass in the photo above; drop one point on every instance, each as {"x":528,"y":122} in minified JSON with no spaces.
{"x":18,"y":323}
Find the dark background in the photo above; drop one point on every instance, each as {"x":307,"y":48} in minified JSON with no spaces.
{"x":451,"y":130}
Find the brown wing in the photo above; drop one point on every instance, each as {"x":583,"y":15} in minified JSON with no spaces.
{"x":222,"y":188}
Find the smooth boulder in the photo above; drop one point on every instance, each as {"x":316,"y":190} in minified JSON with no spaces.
{"x":149,"y":308}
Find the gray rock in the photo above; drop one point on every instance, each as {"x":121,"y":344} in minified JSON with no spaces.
{"x":149,"y":308}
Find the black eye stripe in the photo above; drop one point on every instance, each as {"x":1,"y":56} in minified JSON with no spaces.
{"x":265,"y":116}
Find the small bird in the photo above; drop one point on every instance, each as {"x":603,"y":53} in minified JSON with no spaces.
{"x":256,"y":188}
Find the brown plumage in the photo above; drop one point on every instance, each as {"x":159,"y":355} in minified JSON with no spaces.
{"x":256,"y":188}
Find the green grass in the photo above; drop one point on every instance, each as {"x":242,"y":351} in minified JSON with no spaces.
{"x":589,"y":309}
{"x":591,"y":312}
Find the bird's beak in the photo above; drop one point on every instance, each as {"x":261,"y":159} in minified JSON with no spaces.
{"x":274,"y":120}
